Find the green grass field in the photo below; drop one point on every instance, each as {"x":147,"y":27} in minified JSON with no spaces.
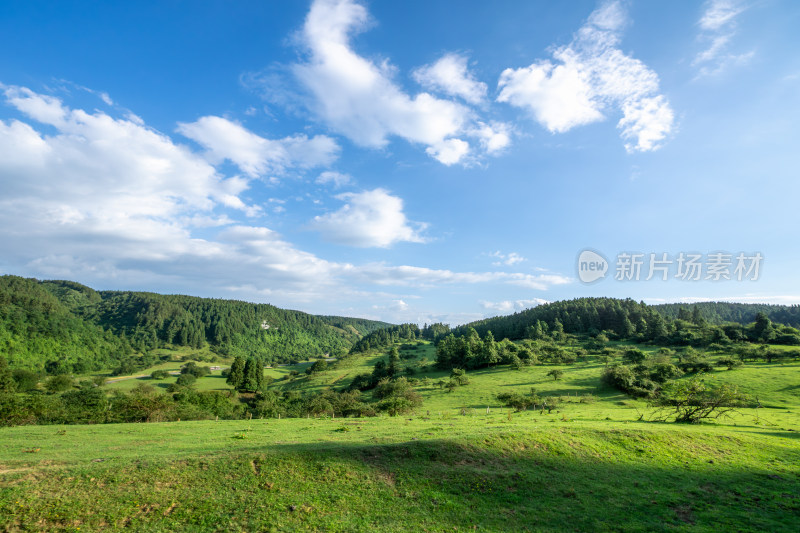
{"x":451,"y":466}
{"x":529,"y":472}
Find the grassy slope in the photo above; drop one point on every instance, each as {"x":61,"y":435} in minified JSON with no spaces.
{"x":776,"y":385}
{"x":531,"y":472}
{"x":588,"y":467}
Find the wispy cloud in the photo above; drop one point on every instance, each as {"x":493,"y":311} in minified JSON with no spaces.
{"x":337,"y":179}
{"x":589,"y":76}
{"x":506,"y":259}
{"x":254,"y":155}
{"x":512,"y":306}
{"x":382,"y":274}
{"x":451,"y":76}
{"x":718,"y":26}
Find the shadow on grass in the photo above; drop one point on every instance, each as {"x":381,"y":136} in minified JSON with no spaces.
{"x":511,"y":481}
{"x":783,"y":434}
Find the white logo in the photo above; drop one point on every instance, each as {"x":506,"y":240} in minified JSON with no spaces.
{"x":591,"y":266}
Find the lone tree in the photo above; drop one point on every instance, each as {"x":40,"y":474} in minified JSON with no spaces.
{"x":319,"y":365}
{"x":556,"y":373}
{"x":459,"y":376}
{"x":692,"y":401}
{"x":186,"y":380}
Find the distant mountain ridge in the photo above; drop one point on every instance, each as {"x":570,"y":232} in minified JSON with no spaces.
{"x":721,"y":312}
{"x":65,"y":326}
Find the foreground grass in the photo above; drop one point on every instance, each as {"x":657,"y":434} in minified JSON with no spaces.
{"x":529,"y":472}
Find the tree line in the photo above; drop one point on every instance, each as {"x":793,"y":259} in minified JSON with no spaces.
{"x":629,"y":320}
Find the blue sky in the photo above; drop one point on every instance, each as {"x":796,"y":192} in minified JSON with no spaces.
{"x":407,"y":161}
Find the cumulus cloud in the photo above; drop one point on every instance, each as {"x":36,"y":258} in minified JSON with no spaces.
{"x":512,"y":306}
{"x":717,"y":29}
{"x":370,"y":218}
{"x":450,"y":75}
{"x":492,"y":137}
{"x":449,"y":151}
{"x":100,"y":180}
{"x":359,"y":99}
{"x":111,"y":202}
{"x":253,"y":154}
{"x":586,"y":78}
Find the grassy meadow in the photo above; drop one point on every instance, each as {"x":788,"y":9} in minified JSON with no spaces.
{"x":596,"y":463}
{"x":526,"y":472}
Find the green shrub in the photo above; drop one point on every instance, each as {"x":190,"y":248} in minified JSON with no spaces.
{"x":186,"y":380}
{"x":59,"y":383}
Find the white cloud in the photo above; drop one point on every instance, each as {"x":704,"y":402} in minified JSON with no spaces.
{"x":369,"y":218}
{"x":449,"y":151}
{"x":336,"y":178}
{"x":493,"y":137}
{"x":426,"y":277}
{"x":108,"y":201}
{"x":253,"y":154}
{"x":644,"y":121}
{"x":586,"y":78}
{"x":512,"y":306}
{"x":42,"y":108}
{"x":399,"y":305}
{"x":560,"y":97}
{"x":506,"y":259}
{"x":720,"y":13}
{"x":358,"y":98}
{"x":450,"y":75}
{"x":717,"y":29}
{"x":113,"y":203}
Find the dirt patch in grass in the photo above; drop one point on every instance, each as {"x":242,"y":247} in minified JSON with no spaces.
{"x":684,"y":514}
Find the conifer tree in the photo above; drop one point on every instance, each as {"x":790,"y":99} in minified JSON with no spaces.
{"x":393,"y":368}
{"x":253,"y":375}
{"x":236,"y":374}
{"x":489,"y":355}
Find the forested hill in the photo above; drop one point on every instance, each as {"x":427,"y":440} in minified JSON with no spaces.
{"x":687,"y":324}
{"x":721,"y":312}
{"x":73,"y":328}
{"x":581,"y":315}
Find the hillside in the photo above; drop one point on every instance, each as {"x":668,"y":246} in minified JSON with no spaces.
{"x":453,"y":465}
{"x":695,"y":325}
{"x":722,"y":312}
{"x":40,"y":329}
{"x":539,"y":440}
{"x":73,"y":328}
